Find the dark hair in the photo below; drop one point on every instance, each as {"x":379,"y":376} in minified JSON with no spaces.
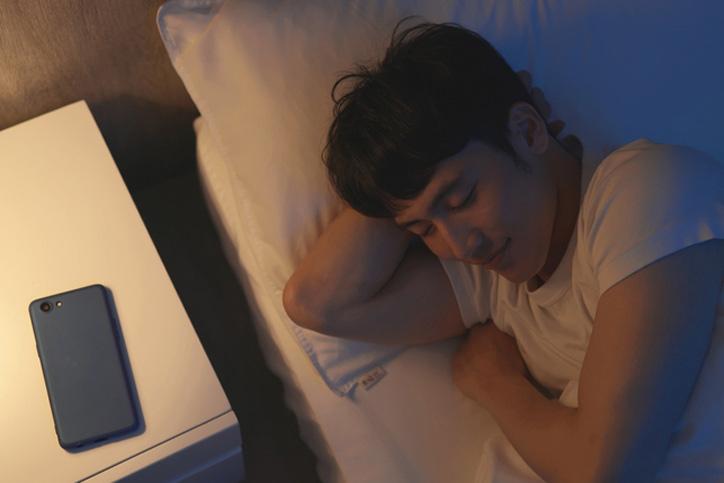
{"x":438,"y":87}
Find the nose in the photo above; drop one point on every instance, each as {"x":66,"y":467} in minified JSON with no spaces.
{"x":464,"y":243}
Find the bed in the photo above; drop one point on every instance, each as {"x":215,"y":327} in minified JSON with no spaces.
{"x":260,"y":74}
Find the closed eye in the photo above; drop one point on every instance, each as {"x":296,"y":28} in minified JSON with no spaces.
{"x":466,"y":202}
{"x":469,"y":199}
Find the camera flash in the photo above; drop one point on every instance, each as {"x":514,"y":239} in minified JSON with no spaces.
{"x":59,"y":304}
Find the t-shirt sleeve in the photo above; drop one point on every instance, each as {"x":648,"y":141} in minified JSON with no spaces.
{"x":471,"y":285}
{"x":653,"y":203}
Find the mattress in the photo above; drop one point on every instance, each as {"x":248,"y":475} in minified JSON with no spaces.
{"x":412,"y":425}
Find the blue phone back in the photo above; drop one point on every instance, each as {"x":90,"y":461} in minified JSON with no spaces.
{"x":79,"y":350}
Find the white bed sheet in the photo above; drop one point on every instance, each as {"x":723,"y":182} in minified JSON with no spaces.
{"x":412,"y":426}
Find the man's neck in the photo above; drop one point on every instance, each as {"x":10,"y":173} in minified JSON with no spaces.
{"x":567,"y":173}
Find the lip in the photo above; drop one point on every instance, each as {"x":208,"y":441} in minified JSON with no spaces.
{"x":493,"y":263}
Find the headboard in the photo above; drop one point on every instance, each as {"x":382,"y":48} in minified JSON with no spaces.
{"x":109,"y":53}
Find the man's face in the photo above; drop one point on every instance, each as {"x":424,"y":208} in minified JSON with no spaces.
{"x":479,"y":203}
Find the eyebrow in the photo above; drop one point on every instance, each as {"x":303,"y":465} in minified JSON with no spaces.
{"x":446,"y":189}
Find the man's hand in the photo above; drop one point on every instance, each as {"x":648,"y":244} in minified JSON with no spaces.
{"x":488,"y":358}
{"x":571,"y":142}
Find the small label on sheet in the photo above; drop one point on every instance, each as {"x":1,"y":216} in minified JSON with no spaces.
{"x":372,"y":377}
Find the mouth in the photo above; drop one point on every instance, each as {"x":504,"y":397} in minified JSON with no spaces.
{"x":497,"y":256}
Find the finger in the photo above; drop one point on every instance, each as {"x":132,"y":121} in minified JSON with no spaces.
{"x":556,"y":127}
{"x":526,"y":78}
{"x":540,"y":102}
{"x":477,"y":329}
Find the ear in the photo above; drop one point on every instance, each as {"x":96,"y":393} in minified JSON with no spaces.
{"x":527,"y":129}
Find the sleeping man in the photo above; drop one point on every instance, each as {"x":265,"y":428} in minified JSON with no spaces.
{"x":461,"y":206}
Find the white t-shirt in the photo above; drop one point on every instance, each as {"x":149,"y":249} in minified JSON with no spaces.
{"x":644,"y":201}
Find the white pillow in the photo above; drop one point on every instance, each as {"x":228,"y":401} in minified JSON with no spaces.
{"x":260,"y":73}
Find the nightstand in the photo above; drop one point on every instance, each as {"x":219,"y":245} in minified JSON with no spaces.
{"x":68,"y":221}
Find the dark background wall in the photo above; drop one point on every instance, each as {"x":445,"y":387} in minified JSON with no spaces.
{"x":108,"y":52}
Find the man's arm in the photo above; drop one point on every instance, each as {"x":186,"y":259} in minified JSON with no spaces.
{"x":362,"y":280}
{"x":651,"y":335}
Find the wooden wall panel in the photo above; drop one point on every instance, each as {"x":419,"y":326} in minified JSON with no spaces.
{"x":108,"y":52}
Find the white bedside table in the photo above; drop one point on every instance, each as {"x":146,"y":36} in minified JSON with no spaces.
{"x":68,"y":221}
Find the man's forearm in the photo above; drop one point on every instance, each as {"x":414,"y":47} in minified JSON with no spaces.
{"x":350,"y":262}
{"x":545,"y":433}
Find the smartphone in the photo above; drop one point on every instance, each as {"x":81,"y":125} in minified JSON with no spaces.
{"x":78,"y":342}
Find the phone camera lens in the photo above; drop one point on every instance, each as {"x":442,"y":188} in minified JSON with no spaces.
{"x":46,"y":307}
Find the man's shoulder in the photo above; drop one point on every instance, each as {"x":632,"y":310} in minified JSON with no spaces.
{"x":647,"y":201}
{"x":649,"y":168}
